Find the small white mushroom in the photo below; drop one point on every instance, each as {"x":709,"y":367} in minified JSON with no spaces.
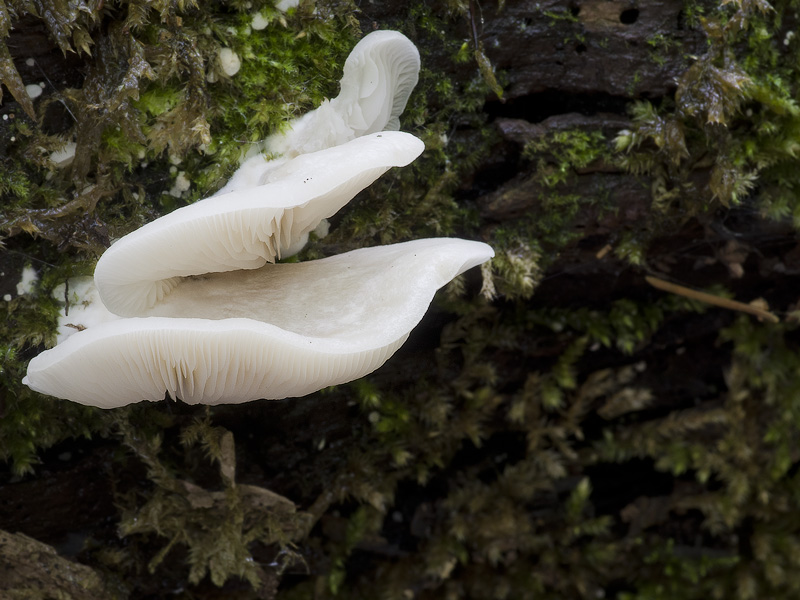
{"x":34,"y":90}
{"x":259,"y":22}
{"x":285,"y":5}
{"x":379,"y":75}
{"x":280,"y":331}
{"x":229,"y":61}
{"x":247,"y":228}
{"x":27,"y":282}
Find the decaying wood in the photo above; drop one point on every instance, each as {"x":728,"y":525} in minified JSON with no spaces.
{"x":31,"y":569}
{"x":554,"y":80}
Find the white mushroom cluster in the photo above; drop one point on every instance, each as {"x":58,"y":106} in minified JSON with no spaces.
{"x":193,"y":305}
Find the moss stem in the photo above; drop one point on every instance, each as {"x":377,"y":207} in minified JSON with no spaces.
{"x":674,"y":288}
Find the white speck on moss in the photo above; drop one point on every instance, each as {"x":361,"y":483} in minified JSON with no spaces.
{"x":285,"y":5}
{"x":322,"y":229}
{"x":7,"y":297}
{"x":229,"y":61}
{"x":30,"y":62}
{"x":259,"y":22}
{"x":62,"y":158}
{"x":34,"y":90}
{"x":29,"y":279}
{"x":181,"y":185}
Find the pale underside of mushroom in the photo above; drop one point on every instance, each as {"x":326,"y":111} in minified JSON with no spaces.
{"x":279,"y":331}
{"x":247,"y":228}
{"x":379,"y":75}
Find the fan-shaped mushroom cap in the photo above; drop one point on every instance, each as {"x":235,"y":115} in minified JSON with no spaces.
{"x":247,"y":228}
{"x":379,"y":75}
{"x":279,"y":331}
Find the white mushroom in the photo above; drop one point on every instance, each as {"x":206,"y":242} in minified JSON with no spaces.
{"x":188,"y":306}
{"x":379,"y":76}
{"x":279,"y":331}
{"x":247,"y":228}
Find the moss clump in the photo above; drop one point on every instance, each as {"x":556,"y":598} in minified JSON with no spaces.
{"x":528,"y":245}
{"x":29,"y":421}
{"x":734,"y":117}
{"x":741,"y":453}
{"x":490,"y":441}
{"x":215,"y":528}
{"x":154,"y":96}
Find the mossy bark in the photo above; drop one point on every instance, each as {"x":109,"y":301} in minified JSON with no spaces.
{"x":571,"y":432}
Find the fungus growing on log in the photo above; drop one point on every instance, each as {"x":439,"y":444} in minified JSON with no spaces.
{"x":188,"y":305}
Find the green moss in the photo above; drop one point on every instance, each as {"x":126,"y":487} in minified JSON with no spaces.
{"x":660,"y":45}
{"x":483,"y":533}
{"x":560,"y":154}
{"x":700,"y":574}
{"x":214,"y":527}
{"x":753,"y":433}
{"x":734,"y":111}
{"x":28,"y":421}
{"x":526,"y":246}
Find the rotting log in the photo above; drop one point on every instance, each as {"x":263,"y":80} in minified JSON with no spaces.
{"x":564,"y":67}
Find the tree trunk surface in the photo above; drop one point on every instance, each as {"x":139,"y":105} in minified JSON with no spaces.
{"x":642,"y":416}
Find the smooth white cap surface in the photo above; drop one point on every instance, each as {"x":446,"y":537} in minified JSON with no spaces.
{"x":247,"y":228}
